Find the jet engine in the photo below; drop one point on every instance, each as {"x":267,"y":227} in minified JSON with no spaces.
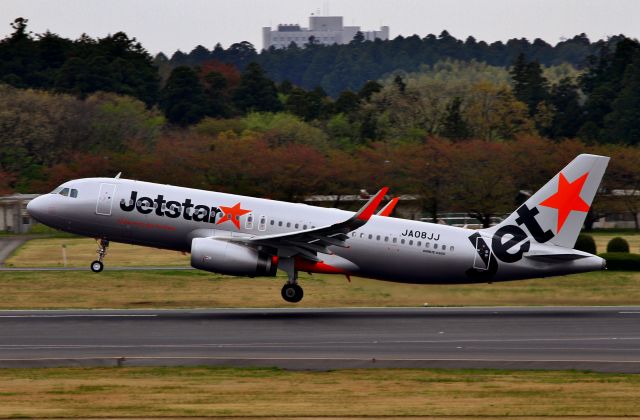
{"x":226,"y":257}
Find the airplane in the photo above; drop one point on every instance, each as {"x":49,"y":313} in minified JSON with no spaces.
{"x":246,"y":236}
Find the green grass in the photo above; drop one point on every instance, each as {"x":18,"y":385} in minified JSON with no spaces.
{"x":193,"y":289}
{"x":157,"y":392}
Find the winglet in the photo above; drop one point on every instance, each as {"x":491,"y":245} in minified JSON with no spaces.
{"x":388,"y":209}
{"x":368,"y":209}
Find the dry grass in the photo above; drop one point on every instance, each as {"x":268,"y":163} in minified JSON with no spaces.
{"x":202,"y":391}
{"x":191,"y":289}
{"x":81,"y":251}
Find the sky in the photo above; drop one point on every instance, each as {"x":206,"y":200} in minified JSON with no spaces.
{"x":169,"y":25}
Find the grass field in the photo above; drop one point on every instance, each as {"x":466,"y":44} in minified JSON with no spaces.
{"x":202,"y":391}
{"x":603,"y":238}
{"x":81,"y":251}
{"x":193,"y":289}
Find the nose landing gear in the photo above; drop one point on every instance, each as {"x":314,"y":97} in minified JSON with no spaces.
{"x":97,"y":266}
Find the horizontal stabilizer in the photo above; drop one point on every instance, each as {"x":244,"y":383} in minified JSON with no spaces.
{"x":555,"y":257}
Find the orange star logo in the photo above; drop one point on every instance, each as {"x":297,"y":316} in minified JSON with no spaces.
{"x":232,"y":214}
{"x":567,"y":199}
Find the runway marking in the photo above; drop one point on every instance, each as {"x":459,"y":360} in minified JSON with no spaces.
{"x":629,"y":312}
{"x":298,"y":344}
{"x":83,"y":316}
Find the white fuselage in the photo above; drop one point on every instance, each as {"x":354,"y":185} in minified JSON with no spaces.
{"x":385,"y":248}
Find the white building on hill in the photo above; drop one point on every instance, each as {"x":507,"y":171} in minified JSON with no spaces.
{"x":326,"y":30}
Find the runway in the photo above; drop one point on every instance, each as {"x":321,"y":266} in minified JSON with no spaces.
{"x":591,"y":338}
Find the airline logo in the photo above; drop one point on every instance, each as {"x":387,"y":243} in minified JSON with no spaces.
{"x":186,"y":210}
{"x":510,"y":242}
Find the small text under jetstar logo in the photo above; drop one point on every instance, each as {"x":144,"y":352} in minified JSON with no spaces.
{"x":185,"y":209}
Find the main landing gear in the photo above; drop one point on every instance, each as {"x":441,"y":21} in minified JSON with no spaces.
{"x":291,"y":291}
{"x":97,"y":266}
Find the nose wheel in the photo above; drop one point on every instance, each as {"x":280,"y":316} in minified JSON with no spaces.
{"x":292,"y":292}
{"x":97,"y":266}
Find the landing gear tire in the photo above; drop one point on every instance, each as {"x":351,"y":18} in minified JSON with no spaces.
{"x":97,"y":266}
{"x":292,"y":293}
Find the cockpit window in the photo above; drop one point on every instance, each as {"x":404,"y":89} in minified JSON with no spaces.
{"x":57,"y":190}
{"x":74,"y":193}
{"x":65,"y":192}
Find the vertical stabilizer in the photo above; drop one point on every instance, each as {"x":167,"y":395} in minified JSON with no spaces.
{"x":556,"y":212}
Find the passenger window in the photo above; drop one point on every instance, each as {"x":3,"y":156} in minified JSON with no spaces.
{"x":362,"y":235}
{"x":296,"y":226}
{"x":451,"y":248}
{"x":386,"y":239}
{"x":411,"y":242}
{"x":65,"y":192}
{"x":419,"y":243}
{"x":288,"y":224}
{"x":272,"y":222}
{"x":426,"y":244}
{"x":263,"y":223}
{"x":304,"y":227}
{"x":435,"y":246}
{"x":402,"y":241}
{"x":248,"y":224}
{"x":378,"y":238}
{"x":74,"y":193}
{"x":395,"y":240}
{"x":279,"y":223}
{"x":370,"y":236}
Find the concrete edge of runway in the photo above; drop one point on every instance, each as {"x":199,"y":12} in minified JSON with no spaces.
{"x":322,"y":364}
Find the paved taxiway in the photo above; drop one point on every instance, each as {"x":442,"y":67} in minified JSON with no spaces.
{"x":595,"y":338}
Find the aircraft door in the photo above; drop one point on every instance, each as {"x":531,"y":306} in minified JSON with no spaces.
{"x":105,"y":199}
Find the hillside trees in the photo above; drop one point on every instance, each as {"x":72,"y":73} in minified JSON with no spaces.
{"x":115,"y":63}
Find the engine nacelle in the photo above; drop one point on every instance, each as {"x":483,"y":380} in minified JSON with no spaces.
{"x":228,"y":258}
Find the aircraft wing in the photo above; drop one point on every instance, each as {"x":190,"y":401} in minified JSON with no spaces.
{"x":308,"y":243}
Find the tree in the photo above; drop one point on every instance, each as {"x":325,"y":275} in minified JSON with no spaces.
{"x":218,"y":81}
{"x":368,"y":89}
{"x":482,"y":185}
{"x":622,"y":124}
{"x":358,"y":38}
{"x":182,"y":99}
{"x":256,"y":92}
{"x":529,"y":84}
{"x":454,"y":126}
{"x":567,"y":117}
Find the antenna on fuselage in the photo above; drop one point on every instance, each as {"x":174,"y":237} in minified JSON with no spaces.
{"x":118,"y":176}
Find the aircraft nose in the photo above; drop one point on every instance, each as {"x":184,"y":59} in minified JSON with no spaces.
{"x":36,"y":208}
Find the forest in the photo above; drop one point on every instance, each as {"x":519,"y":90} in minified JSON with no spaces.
{"x":464,"y":125}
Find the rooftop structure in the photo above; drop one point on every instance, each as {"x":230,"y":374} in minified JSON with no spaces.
{"x":326,"y":30}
